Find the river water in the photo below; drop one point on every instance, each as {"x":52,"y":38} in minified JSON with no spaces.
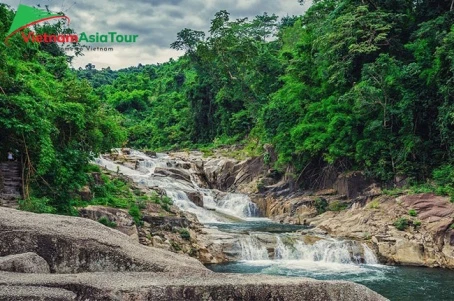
{"x":266,"y":247}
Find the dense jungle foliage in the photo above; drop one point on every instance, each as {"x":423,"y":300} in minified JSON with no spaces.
{"x":50,"y":120}
{"x":353,"y":84}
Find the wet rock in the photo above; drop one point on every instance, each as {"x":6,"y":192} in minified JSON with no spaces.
{"x":195,"y":197}
{"x":173,"y":173}
{"x":24,"y":263}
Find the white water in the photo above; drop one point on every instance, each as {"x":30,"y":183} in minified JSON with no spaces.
{"x":326,"y":255}
{"x":235,"y":205}
{"x":323,"y":251}
{"x":252,"y":249}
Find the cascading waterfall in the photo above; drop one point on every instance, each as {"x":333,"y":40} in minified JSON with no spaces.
{"x":324,"y":250}
{"x":220,"y":209}
{"x":235,"y":205}
{"x":252,"y":249}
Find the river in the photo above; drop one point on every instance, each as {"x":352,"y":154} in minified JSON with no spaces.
{"x":266,"y":247}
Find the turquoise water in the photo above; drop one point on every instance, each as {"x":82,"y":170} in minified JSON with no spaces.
{"x":395,"y":283}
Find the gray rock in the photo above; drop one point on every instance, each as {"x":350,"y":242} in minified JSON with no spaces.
{"x":166,"y":286}
{"x":24,"y":263}
{"x":76,"y":245}
{"x":31,"y":293}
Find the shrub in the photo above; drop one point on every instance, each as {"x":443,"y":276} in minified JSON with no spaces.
{"x":375,"y":204}
{"x":36,"y":205}
{"x":412,"y":212}
{"x":337,"y":206}
{"x":106,"y":222}
{"x":401,"y":224}
{"x":417,"y":223}
{"x":134,"y":211}
{"x":184,"y":233}
{"x":321,"y":204}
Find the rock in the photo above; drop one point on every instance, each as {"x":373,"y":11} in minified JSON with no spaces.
{"x":123,"y":220}
{"x":351,"y":184}
{"x":77,"y":245}
{"x":97,"y":178}
{"x":151,"y":154}
{"x":195,"y":197}
{"x":126,"y":270}
{"x":32,"y":293}
{"x":409,"y":253}
{"x":174,"y":173}
{"x":24,"y":263}
{"x":168,"y":223}
{"x":155,"y":286}
{"x":86,"y":194}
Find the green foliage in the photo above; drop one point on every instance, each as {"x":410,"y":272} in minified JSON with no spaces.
{"x":184,"y":233}
{"x":416,"y":223}
{"x":337,"y":206}
{"x":375,"y":204}
{"x":106,"y":222}
{"x":401,"y":224}
{"x":444,"y":178}
{"x":36,"y":205}
{"x":54,"y":121}
{"x":321,"y":205}
{"x":412,"y":212}
{"x":134,"y":211}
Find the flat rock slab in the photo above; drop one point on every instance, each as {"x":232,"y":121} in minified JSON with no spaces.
{"x":33,"y":293}
{"x":161,"y":286}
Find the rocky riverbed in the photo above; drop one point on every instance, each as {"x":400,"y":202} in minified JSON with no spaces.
{"x":49,"y":257}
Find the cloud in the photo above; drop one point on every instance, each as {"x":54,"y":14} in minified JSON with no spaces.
{"x":157,"y":23}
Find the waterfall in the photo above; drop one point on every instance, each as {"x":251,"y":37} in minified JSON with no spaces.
{"x":252,"y":249}
{"x":238,"y":205}
{"x":369,"y":255}
{"x":235,"y":205}
{"x":325,"y":250}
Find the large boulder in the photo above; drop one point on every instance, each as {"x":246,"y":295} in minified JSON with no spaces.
{"x":77,"y":245}
{"x":24,"y":263}
{"x":157,"y":286}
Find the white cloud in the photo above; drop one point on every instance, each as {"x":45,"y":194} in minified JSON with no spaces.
{"x":156,"y":21}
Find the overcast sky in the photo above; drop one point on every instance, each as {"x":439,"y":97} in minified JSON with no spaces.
{"x":157,"y":23}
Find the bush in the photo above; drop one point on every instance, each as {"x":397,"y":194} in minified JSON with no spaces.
{"x":417,"y":223}
{"x":36,"y":205}
{"x":375,"y":204}
{"x":321,"y":204}
{"x":134,"y":211}
{"x":106,"y":222}
{"x":412,"y":212}
{"x":401,"y":224}
{"x":184,"y":233}
{"x":337,"y":206}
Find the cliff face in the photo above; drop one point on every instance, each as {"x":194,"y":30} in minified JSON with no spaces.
{"x":88,"y":261}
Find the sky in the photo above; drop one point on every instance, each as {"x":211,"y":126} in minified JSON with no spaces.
{"x":157,"y":23}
